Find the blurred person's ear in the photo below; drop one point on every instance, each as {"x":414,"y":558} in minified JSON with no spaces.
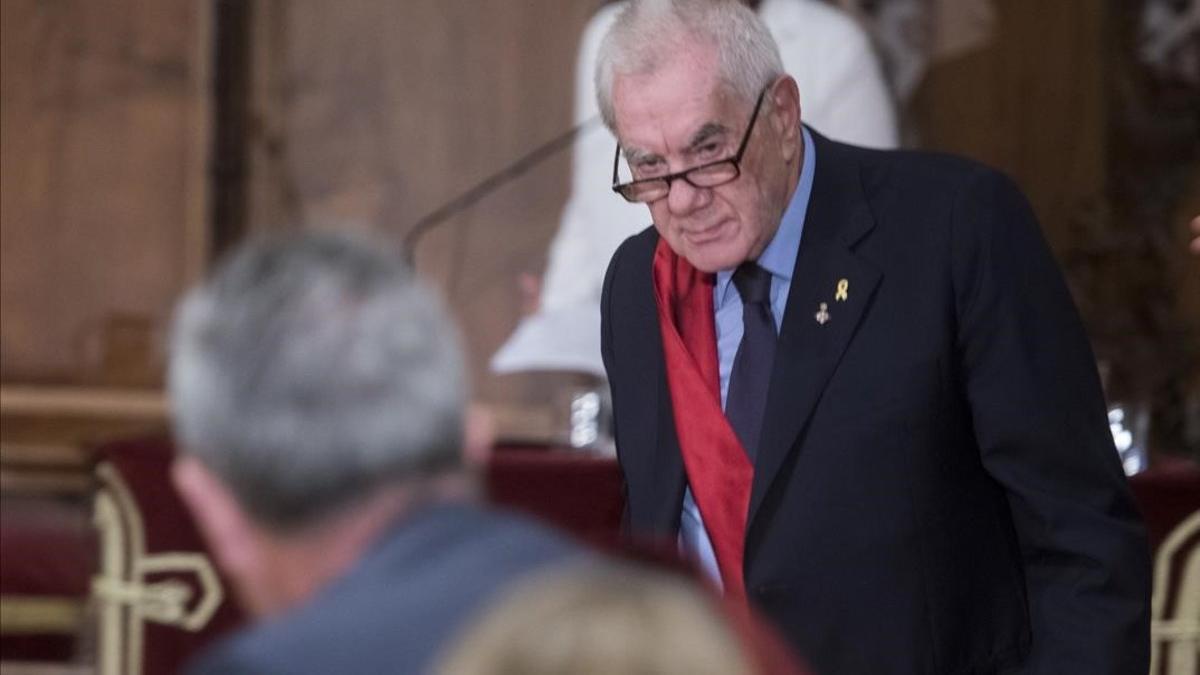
{"x":232,"y":538}
{"x":479,"y":434}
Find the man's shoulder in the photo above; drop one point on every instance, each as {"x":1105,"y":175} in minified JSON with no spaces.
{"x":640,"y":244}
{"x":632,"y":260}
{"x":909,"y":180}
{"x":898,"y":164}
{"x":401,"y":603}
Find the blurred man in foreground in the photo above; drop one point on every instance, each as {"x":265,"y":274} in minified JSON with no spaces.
{"x":318,"y":394}
{"x":852,"y":383}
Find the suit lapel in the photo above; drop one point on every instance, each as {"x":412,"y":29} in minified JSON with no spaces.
{"x":819,"y":321}
{"x":665,"y":464}
{"x":668,"y":469}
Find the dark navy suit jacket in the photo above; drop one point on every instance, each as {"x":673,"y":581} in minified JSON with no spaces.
{"x":936,"y":489}
{"x":403,"y":603}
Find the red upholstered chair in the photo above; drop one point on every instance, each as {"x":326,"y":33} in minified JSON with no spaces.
{"x":158,"y":597}
{"x":569,"y":489}
{"x":115,"y":578}
{"x":48,"y":550}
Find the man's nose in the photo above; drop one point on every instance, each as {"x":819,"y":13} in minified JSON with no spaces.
{"x":684,"y":198}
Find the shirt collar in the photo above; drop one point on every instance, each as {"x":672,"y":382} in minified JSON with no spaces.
{"x":779,"y":258}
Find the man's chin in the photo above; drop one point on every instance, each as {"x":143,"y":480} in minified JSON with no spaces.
{"x":715,"y":261}
{"x":710,"y":257}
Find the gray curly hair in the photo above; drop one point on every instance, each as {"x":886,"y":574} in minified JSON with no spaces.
{"x":312,"y":368}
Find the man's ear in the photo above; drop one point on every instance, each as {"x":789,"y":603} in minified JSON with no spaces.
{"x":785,"y":114}
{"x":479,"y":435}
{"x":228,"y":531}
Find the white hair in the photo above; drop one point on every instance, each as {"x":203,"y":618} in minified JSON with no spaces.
{"x":312,"y":369}
{"x":647,"y":33}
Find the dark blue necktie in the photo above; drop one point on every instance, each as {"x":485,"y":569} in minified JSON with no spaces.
{"x":751,"y":375}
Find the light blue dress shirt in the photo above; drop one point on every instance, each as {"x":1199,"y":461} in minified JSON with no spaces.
{"x":779,"y":258}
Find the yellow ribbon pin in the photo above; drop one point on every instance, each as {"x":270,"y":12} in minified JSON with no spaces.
{"x":843,"y":289}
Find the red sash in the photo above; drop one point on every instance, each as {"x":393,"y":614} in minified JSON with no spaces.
{"x":718,"y":470}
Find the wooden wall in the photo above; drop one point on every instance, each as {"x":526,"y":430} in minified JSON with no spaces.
{"x":104,"y":135}
{"x":357,"y":113}
{"x":122,"y":175}
{"x":1031,"y":103}
{"x":1109,"y":155}
{"x":377,"y":113}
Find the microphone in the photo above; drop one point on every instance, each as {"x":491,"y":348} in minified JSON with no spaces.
{"x":488,"y":185}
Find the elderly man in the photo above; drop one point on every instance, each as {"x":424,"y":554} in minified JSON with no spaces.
{"x":318,"y":395}
{"x":851,"y":382}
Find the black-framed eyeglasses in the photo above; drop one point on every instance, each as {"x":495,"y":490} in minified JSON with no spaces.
{"x":707,"y":175}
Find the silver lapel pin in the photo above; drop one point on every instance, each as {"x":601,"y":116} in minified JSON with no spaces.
{"x":822,"y":314}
